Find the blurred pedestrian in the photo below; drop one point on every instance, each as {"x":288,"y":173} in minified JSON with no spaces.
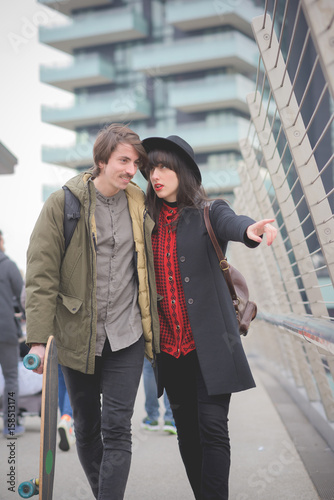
{"x":152,"y":407}
{"x":11,"y":283}
{"x":66,"y":423}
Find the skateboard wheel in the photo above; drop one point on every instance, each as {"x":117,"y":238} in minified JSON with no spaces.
{"x":28,"y":489}
{"x":31,"y":361}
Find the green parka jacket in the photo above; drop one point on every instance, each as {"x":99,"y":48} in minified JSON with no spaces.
{"x":61,"y":289}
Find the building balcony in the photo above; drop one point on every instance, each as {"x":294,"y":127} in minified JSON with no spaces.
{"x":95,"y":28}
{"x":7,"y":160}
{"x":231,"y":49}
{"x":84,"y":71}
{"x":98,"y":110}
{"x":77,"y":156}
{"x":214,"y":135}
{"x":67,"y":6}
{"x":188,"y":16}
{"x":210,"y":93}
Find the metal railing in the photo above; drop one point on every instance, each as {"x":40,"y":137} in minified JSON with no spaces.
{"x":287,"y":175}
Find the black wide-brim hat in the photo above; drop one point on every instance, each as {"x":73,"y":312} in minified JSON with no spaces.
{"x":179,"y":146}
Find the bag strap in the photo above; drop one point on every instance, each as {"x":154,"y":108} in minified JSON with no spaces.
{"x":223,"y":264}
{"x":71,"y":215}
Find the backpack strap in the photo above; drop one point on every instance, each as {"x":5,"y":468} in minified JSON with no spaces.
{"x":71,"y":215}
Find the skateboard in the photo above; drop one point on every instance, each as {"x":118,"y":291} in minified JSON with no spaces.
{"x":43,"y":484}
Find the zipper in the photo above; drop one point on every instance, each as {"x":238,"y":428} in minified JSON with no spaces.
{"x":92,"y":271}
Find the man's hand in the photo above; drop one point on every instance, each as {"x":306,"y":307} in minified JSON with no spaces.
{"x":259,"y":228}
{"x":38,"y":349}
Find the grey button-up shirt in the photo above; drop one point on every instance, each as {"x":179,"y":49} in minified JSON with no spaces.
{"x":118,"y":314}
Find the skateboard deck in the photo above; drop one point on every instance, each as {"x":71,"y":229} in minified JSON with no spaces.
{"x":43,"y":484}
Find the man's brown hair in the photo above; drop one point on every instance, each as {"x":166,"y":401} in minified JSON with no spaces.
{"x":107,"y":141}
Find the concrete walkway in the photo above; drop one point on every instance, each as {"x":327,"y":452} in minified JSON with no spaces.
{"x":265,"y":462}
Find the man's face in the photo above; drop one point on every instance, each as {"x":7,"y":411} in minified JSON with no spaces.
{"x":118,"y":172}
{"x":2,"y":243}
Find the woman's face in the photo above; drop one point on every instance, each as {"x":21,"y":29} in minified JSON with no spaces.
{"x":164,"y":182}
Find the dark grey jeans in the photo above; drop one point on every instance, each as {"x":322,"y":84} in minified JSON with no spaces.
{"x":103,"y":425}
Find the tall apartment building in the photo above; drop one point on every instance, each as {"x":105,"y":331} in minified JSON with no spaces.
{"x":163,"y":67}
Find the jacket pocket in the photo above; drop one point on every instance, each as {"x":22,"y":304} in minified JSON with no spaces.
{"x":69,"y":321}
{"x":72,"y":304}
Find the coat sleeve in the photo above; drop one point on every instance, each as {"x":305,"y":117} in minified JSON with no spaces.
{"x":16,"y":280}
{"x":229,"y":226}
{"x":44,"y":258}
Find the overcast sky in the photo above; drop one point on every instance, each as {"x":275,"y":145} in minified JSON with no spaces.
{"x":21,"y":129}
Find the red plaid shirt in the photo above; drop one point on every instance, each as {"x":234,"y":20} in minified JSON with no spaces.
{"x":175,"y":332}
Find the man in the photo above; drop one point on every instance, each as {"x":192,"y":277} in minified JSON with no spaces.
{"x":10,"y":290}
{"x":88,"y":298}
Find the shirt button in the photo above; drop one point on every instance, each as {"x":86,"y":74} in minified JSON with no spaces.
{"x":182,"y":259}
{"x":172,"y":301}
{"x":190,"y":301}
{"x":167,"y":254}
{"x":170,"y":278}
{"x":186,"y":279}
{"x":178,"y":327}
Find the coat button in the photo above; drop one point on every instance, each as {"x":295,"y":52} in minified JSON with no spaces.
{"x":167,"y":254}
{"x":190,"y":301}
{"x":178,"y":327}
{"x":170,"y":278}
{"x":173,"y":301}
{"x":182,"y":259}
{"x":187,"y":279}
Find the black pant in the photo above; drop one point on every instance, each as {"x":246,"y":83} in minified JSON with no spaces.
{"x":202,"y":425}
{"x":103,"y":435}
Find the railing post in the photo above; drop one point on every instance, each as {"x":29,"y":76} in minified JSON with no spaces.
{"x":299,"y":144}
{"x":319,"y":16}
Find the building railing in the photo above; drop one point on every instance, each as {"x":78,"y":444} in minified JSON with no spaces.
{"x":287,"y":175}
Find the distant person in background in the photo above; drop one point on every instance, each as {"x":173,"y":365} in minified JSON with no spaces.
{"x":65,"y":426}
{"x":10,"y":290}
{"x":151,"y":421}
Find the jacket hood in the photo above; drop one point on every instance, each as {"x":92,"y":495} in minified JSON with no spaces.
{"x":77,"y":185}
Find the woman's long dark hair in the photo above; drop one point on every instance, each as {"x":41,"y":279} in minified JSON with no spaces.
{"x":190,"y":192}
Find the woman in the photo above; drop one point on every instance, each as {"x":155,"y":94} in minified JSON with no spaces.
{"x":199,"y":356}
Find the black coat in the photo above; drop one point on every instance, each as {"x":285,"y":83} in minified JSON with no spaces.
{"x":211,"y":313}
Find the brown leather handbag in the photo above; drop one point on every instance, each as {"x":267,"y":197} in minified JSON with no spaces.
{"x":245,"y":309}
